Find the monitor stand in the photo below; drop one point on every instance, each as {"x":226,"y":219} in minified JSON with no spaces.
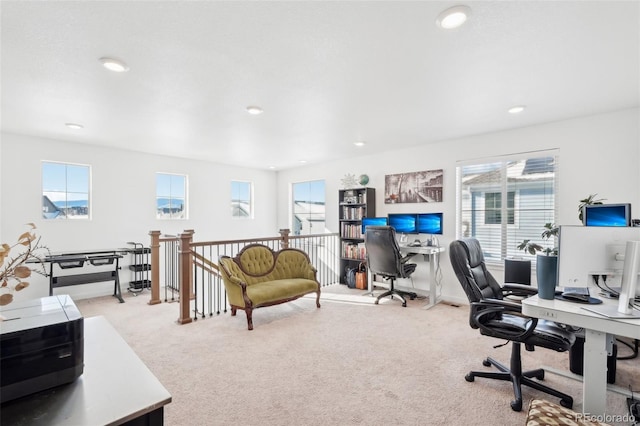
{"x":610,"y":311}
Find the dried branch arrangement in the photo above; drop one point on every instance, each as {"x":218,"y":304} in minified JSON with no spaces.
{"x":18,"y":261}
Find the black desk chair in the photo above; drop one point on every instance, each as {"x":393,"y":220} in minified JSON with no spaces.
{"x":384,"y":259}
{"x":502,"y":319}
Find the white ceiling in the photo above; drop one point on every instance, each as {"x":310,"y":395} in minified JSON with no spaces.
{"x":327,"y":74}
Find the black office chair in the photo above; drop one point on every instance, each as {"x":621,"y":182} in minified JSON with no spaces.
{"x":384,"y":259}
{"x":503,"y":319}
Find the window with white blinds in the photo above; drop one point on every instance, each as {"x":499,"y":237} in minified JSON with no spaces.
{"x":503,"y":201}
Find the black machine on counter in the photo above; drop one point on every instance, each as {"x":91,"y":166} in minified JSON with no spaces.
{"x":41,"y":345}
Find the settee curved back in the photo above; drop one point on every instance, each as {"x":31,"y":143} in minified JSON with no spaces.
{"x":259,"y":276}
{"x":257,"y":263}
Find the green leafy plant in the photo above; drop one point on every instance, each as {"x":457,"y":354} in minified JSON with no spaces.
{"x":16,"y":265}
{"x":590,"y":200}
{"x":550,"y":231}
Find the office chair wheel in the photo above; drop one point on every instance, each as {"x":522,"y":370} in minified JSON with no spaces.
{"x":412,"y":296}
{"x":567,"y":402}
{"x":404,"y":304}
{"x":486,"y":363}
{"x":540,"y":375}
{"x":516,"y":405}
{"x":469,"y":377}
{"x":376,"y":302}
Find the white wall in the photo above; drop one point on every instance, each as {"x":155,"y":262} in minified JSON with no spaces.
{"x":123,"y":201}
{"x":598,"y":154}
{"x":1,"y":238}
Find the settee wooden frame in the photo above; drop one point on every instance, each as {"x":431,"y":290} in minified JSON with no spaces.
{"x":244,"y":271}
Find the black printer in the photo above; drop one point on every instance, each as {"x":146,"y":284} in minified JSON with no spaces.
{"x":41,"y":345}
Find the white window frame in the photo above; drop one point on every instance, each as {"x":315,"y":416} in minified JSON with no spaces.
{"x":250,"y":200}
{"x":292,"y":221}
{"x":185,"y":209}
{"x":47,"y":190}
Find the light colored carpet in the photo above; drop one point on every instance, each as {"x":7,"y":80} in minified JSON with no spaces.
{"x":348,"y":363}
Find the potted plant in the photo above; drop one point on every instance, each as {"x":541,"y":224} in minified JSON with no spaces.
{"x":546,"y":263}
{"x":590,"y":200}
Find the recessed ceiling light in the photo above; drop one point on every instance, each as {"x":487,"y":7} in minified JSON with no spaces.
{"x":74,"y":126}
{"x":113,"y":64}
{"x":516,"y":109}
{"x":255,"y":110}
{"x":303,"y":161}
{"x":453,"y":17}
{"x":360,"y":143}
{"x":272,"y":167}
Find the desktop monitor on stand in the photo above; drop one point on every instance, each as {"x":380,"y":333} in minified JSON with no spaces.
{"x":373,"y":221}
{"x":592,"y":256}
{"x":404,"y":223}
{"x":430,"y":223}
{"x":607,"y":215}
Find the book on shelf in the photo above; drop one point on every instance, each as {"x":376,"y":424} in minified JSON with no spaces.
{"x":352,"y":213}
{"x":351,"y":230}
{"x":354,"y":251}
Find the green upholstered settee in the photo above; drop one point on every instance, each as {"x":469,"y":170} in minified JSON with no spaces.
{"x":259,"y":276}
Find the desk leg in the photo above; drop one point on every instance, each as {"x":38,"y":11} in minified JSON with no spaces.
{"x":117,"y":291}
{"x":51,"y":279}
{"x":594,"y":386}
{"x":370,"y":285}
{"x":433,"y":290}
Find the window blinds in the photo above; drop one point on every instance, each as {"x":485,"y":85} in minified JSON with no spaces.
{"x":503,"y":201}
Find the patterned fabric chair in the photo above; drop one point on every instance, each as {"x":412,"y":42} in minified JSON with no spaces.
{"x":546,"y":413}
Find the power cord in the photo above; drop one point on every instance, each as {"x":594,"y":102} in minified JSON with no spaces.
{"x":604,"y":287}
{"x":632,"y":346}
{"x":608,"y":289}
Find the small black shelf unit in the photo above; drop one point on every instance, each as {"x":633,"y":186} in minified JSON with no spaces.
{"x":141,"y":267}
{"x":353,"y":204}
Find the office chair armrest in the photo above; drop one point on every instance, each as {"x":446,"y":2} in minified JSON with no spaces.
{"x":487,"y":316}
{"x":518,"y":290}
{"x":506,"y":305}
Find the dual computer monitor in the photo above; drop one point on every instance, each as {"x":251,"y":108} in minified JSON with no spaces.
{"x":408,"y":223}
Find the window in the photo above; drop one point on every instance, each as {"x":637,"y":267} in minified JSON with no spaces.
{"x":241,"y":195}
{"x":493,"y":208}
{"x":528,"y":184}
{"x":65,"y":191}
{"x":171,"y":199}
{"x":308,"y":208}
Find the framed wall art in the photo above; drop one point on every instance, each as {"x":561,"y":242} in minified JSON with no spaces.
{"x":414,"y":187}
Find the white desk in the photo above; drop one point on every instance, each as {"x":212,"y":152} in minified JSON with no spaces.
{"x":598,"y":330}
{"x":431,"y":254}
{"x":115,"y":388}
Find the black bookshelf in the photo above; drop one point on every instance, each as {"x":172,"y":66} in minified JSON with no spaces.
{"x":353,"y":205}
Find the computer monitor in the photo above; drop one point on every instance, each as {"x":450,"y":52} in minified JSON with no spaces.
{"x":607,"y":215}
{"x":430,"y":223}
{"x":373,"y":221}
{"x":404,"y":223}
{"x":588,"y":253}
